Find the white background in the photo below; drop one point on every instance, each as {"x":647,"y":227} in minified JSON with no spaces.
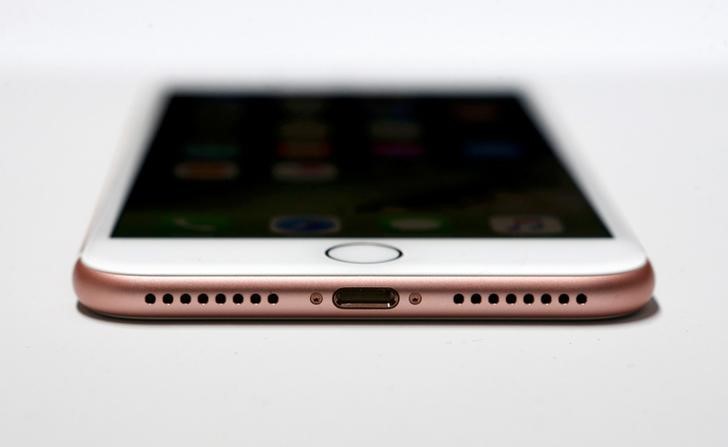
{"x":641,"y":87}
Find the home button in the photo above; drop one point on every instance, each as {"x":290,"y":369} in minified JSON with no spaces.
{"x":363,"y":253}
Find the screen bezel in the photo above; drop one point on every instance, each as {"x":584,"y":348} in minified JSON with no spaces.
{"x":306,"y":256}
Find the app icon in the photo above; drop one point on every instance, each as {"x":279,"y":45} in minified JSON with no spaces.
{"x":492,"y":150}
{"x":305,"y":224}
{"x":415,"y":223}
{"x":199,"y":223}
{"x":204,"y":170}
{"x":304,"y":171}
{"x":530,"y":225}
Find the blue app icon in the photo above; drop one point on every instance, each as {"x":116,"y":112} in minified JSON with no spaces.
{"x":305,"y":224}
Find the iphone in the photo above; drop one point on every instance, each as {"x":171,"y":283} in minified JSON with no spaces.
{"x":355,"y":203}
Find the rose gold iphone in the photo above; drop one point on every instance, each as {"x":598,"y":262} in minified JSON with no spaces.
{"x":354,"y":203}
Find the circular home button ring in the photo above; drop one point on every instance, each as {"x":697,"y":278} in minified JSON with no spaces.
{"x":363,"y":253}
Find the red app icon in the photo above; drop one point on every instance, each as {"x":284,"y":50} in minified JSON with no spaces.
{"x":206,"y":170}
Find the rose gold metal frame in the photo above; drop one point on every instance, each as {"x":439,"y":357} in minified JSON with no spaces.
{"x":124,"y":295}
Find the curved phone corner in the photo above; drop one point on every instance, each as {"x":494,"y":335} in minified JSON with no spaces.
{"x":90,"y":289}
{"x":80,"y":282}
{"x":649,"y":286}
{"x":638,"y":287}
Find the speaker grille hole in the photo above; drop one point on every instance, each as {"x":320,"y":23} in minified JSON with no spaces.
{"x":458,"y":298}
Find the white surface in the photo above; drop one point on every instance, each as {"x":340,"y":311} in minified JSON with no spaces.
{"x":652,"y":124}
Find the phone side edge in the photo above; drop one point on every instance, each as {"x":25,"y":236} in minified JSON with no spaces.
{"x":605,"y":296}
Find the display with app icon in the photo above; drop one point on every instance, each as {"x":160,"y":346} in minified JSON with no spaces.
{"x":305,"y":225}
{"x":371,"y":165}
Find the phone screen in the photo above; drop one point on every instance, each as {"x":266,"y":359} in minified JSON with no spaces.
{"x":365,"y":165}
